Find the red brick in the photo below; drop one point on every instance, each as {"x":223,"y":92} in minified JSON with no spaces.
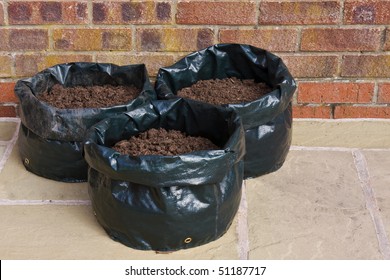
{"x":384,"y":93}
{"x":153,"y":62}
{"x":30,"y":64}
{"x":20,"y":12}
{"x":74,"y":13}
{"x":44,"y":12}
{"x":4,"y":34}
{"x":136,"y":12}
{"x":335,"y":92}
{"x":1,"y":14}
{"x":28,"y":39}
{"x":341,"y":39}
{"x":310,"y":111}
{"x":7,"y":111}
{"x":23,"y":39}
{"x":299,"y":12}
{"x":163,"y":11}
{"x":216,"y":12}
{"x":87,"y":39}
{"x":173,"y":39}
{"x":269,"y":39}
{"x":7,"y":92}
{"x":117,"y":39}
{"x":361,"y":112}
{"x":100,"y":11}
{"x":51,"y":11}
{"x":311,"y":66}
{"x":5,"y":66}
{"x":367,"y":12}
{"x":368,"y":66}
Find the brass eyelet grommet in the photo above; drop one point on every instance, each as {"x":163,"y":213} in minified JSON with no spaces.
{"x":187,"y":240}
{"x":26,"y":161}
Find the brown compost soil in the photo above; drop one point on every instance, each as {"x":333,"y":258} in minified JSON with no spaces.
{"x":89,"y":96}
{"x":163,"y":142}
{"x":225,"y":91}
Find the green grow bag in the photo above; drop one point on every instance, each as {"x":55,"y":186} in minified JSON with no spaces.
{"x":50,"y":139}
{"x":166,"y":203}
{"x":267,"y":121}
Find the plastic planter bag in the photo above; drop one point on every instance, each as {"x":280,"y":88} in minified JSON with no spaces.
{"x":166,"y":203}
{"x":50,"y":139}
{"x":267,"y":120}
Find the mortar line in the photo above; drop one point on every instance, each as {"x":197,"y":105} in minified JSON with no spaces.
{"x":25,"y":202}
{"x":257,"y":13}
{"x":375,"y":96}
{"x":242,"y":226}
{"x":9,"y":147}
{"x":371,"y":203}
{"x":342,"y":8}
{"x":5,"y":12}
{"x":90,"y":14}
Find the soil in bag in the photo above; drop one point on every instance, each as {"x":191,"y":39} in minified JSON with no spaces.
{"x":225,"y":91}
{"x":167,"y":203}
{"x":163,"y":142}
{"x":88,"y":97}
{"x":266,"y":119}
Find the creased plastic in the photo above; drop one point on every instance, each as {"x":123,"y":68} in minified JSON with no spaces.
{"x":167,"y":203}
{"x":70,"y":124}
{"x":60,"y":132}
{"x":267,"y":120}
{"x":54,"y":159}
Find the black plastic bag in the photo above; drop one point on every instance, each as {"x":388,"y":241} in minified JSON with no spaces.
{"x":54,"y":159}
{"x":267,"y":121}
{"x":167,"y":203}
{"x":56,"y":135}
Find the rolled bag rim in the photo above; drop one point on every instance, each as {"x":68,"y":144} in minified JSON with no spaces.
{"x":64,"y":120}
{"x":116,"y":166}
{"x":266,"y":108}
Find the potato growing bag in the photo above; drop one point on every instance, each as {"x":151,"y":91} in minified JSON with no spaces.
{"x":50,"y":138}
{"x":166,"y":203}
{"x":267,"y":121}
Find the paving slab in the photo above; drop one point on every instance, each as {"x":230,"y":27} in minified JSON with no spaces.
{"x":336,"y":133}
{"x":378,"y":164}
{"x":72,"y":232}
{"x":312,"y":208}
{"x":7,"y":130}
{"x":17,"y":183}
{"x":2,"y":150}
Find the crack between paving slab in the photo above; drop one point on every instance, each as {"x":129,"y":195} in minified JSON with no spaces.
{"x":307,"y":148}
{"x":242,"y":226}
{"x":10,"y":145}
{"x":22,"y":202}
{"x":336,"y":149}
{"x":371,"y":203}
{"x":9,"y":119}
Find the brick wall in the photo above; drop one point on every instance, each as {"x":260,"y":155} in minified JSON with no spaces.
{"x":339,"y":51}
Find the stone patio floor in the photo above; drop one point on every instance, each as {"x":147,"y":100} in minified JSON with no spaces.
{"x":330,"y":200}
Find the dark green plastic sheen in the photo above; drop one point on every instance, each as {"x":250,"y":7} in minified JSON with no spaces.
{"x":267,"y":121}
{"x":167,"y":203}
{"x":50,"y":138}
